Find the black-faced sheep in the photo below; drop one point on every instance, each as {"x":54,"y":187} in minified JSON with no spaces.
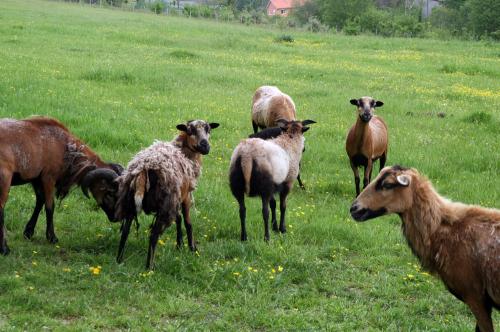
{"x":263,"y":168}
{"x":159,"y":180}
{"x":458,"y":242}
{"x":43,"y":152}
{"x":269,"y":105}
{"x":367,"y":139}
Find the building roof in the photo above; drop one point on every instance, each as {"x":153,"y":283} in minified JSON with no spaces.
{"x":286,"y":3}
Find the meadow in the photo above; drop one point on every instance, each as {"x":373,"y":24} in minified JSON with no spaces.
{"x":119,"y":80}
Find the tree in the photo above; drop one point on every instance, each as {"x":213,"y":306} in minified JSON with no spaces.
{"x":337,"y":12}
{"x":484,"y":16}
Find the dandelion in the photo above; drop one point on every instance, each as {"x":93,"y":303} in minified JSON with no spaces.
{"x":273,"y":270}
{"x":66,"y":269}
{"x":161,"y":242}
{"x":95,"y":270}
{"x":280,"y":268}
{"x":34,"y":263}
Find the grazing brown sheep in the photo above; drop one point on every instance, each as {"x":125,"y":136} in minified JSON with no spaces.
{"x":269,"y":105}
{"x":458,"y":242}
{"x":41,"y":151}
{"x":367,"y":140}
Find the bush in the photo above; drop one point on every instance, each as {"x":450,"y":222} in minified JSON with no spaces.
{"x":158,"y":7}
{"x":352,"y":27}
{"x":284,"y":39}
{"x":314,"y":25}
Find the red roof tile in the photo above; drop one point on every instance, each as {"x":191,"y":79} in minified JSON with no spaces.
{"x":286,"y":3}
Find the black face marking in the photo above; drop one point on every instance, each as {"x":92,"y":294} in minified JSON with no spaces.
{"x":365,"y":214}
{"x":399,"y":168}
{"x":379,"y":184}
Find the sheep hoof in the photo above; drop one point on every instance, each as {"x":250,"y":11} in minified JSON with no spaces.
{"x":52,"y":239}
{"x":4,"y":250}
{"x":193,"y":248}
{"x":275,"y":228}
{"x":28,"y":234}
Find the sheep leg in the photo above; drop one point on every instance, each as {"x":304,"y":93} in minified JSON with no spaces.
{"x":178,"y":224}
{"x":482,"y":312}
{"x":29,"y":230}
{"x":255,"y":127}
{"x":383,"y":158}
{"x":300,"y":182}
{"x":156,"y":230}
{"x":125,"y":231}
{"x":356,"y":177}
{"x":4,"y":193}
{"x":265,"y":216}
{"x":48,"y":192}
{"x":243,"y":212}
{"x":368,"y":172}
{"x":187,"y":223}
{"x":272,"y":205}
{"x":283,"y":195}
{"x":4,"y":248}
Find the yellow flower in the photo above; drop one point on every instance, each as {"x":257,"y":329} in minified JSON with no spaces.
{"x":280,"y":268}
{"x":236,"y":274}
{"x":34,"y":263}
{"x":66,"y":269}
{"x":161,"y":242}
{"x":31,"y":288}
{"x":95,"y":270}
{"x":273,"y":270}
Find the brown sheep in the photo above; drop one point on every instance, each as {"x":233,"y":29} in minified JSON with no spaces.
{"x":460,"y":243}
{"x":367,"y":140}
{"x":269,"y":105}
{"x":41,"y":151}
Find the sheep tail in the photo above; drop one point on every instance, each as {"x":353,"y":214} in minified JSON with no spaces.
{"x":140,"y":185}
{"x":246,"y":167}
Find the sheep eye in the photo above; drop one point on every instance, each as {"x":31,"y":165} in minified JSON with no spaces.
{"x":388,"y":185}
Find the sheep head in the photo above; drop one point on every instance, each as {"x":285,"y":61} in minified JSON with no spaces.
{"x":366,"y":107}
{"x":390,"y":192}
{"x":103,"y":185}
{"x":197,"y":135}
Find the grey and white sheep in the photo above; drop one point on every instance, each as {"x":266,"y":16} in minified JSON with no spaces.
{"x":265,"y":167}
{"x":159,"y":180}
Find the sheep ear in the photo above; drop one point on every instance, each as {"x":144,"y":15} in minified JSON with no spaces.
{"x":308,"y":122}
{"x":304,"y":129}
{"x":182,"y":127}
{"x":213,"y":125}
{"x":379,"y":103}
{"x":354,"y":102}
{"x":403,"y":180}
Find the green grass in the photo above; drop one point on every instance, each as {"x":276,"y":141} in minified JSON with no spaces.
{"x":120,"y":80}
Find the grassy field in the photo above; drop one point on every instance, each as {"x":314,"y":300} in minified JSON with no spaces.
{"x":120,"y":80}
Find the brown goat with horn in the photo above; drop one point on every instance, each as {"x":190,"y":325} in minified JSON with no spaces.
{"x":41,"y":151}
{"x":367,"y":139}
{"x":458,"y":242}
{"x":159,"y":180}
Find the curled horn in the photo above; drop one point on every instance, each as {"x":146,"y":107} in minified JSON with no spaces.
{"x":97,"y":174}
